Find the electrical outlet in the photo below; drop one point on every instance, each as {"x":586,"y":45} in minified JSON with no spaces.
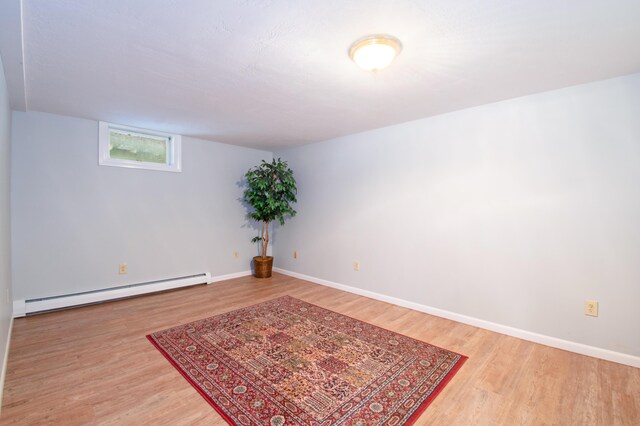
{"x":591,"y":308}
{"x":236,"y":254}
{"x":123,"y":268}
{"x":295,"y":254}
{"x":356,"y":266}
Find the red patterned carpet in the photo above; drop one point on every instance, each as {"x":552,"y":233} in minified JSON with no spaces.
{"x":288,"y":362}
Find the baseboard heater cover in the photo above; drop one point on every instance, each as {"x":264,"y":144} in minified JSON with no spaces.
{"x":31,"y":306}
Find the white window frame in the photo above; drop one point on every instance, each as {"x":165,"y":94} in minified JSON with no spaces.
{"x":174,"y":149}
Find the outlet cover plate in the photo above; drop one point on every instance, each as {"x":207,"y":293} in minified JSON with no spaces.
{"x":591,"y":308}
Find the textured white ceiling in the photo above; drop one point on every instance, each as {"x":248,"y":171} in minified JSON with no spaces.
{"x":276,"y":73}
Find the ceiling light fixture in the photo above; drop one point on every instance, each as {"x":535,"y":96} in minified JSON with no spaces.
{"x":372,"y":53}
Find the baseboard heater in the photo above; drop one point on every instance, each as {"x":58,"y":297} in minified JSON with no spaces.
{"x":32,"y":306}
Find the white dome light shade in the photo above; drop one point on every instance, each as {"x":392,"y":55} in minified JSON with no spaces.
{"x":373,"y":53}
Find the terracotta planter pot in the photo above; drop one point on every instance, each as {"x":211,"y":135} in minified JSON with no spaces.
{"x":262,"y":267}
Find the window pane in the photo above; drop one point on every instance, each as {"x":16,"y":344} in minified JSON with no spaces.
{"x":131,"y":146}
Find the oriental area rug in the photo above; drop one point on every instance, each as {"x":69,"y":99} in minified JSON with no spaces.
{"x":288,"y":362}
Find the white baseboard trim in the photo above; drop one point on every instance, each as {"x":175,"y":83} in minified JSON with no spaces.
{"x":225,"y":277}
{"x":19,"y":308}
{"x":567,"y":345}
{"x":5,"y":362}
{"x":23,"y":307}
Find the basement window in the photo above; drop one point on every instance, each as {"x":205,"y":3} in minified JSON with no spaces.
{"x":124,"y":146}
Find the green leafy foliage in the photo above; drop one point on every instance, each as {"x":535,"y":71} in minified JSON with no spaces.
{"x":271,"y":191}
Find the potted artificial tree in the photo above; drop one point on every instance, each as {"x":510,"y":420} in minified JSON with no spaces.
{"x":271,"y":189}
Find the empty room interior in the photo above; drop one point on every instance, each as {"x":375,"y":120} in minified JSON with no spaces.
{"x":320,"y":213}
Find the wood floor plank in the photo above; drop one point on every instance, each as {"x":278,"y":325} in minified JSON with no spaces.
{"x":93,"y":365}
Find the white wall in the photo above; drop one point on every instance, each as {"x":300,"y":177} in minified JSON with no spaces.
{"x":5,"y":221}
{"x":75,"y":221}
{"x":513,"y":212}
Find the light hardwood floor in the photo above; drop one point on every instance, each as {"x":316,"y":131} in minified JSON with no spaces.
{"x":93,"y":365}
